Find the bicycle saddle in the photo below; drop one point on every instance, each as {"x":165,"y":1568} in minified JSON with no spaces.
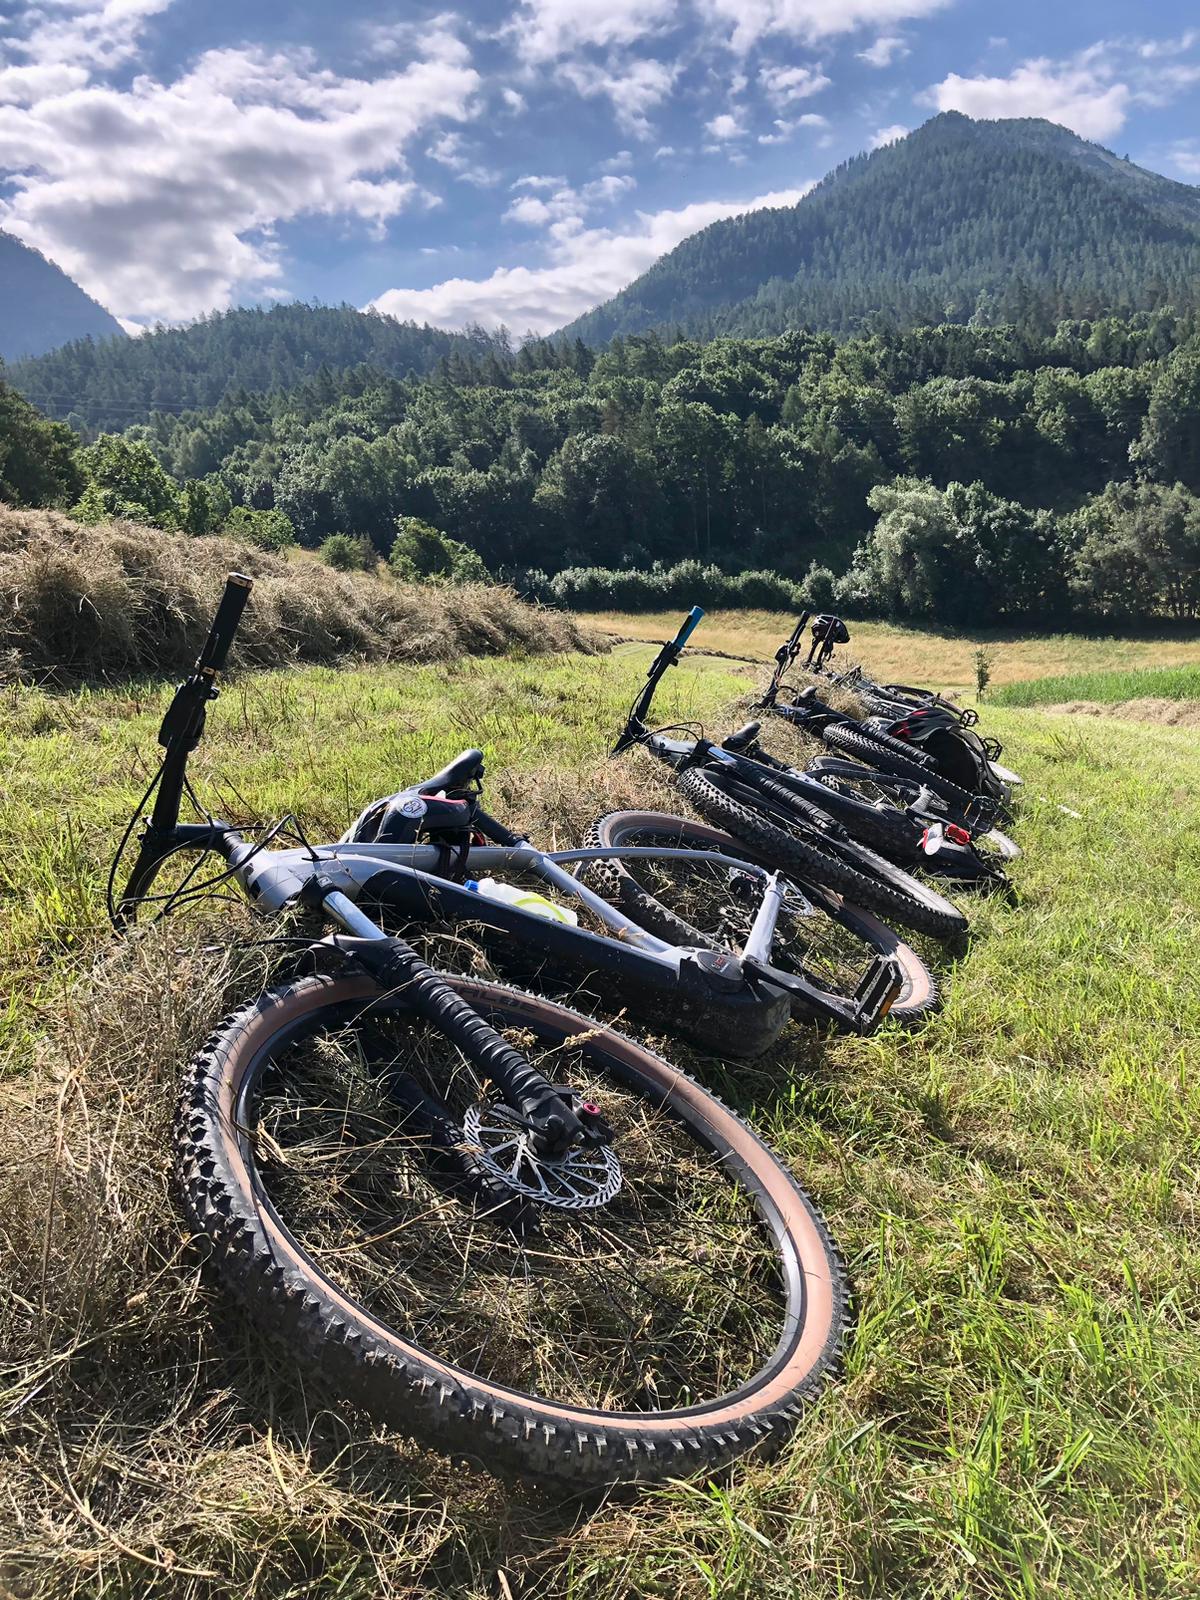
{"x":427,"y":811}
{"x":743,"y":737}
{"x":457,"y":774}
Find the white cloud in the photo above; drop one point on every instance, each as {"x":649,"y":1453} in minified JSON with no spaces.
{"x":95,"y":33}
{"x":634,"y":88}
{"x":567,"y":205}
{"x":746,"y":22}
{"x":451,"y":150}
{"x":537,"y":181}
{"x":785,"y":84}
{"x":1155,"y":49}
{"x":513,"y":99}
{"x":783,"y":132}
{"x":726,"y":126}
{"x":887,"y":135}
{"x":548,"y":29}
{"x":1091,"y":92}
{"x":887,"y":48}
{"x":1073,"y":97}
{"x":162,"y":198}
{"x":1077,"y":93}
{"x":1184,"y":156}
{"x":1163,"y":83}
{"x":785,"y":127}
{"x":586,"y":266}
{"x":24,"y":86}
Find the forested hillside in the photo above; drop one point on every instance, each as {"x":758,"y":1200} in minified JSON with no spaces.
{"x":251,"y":350}
{"x":943,"y":472}
{"x":41,"y":307}
{"x":962,"y":220}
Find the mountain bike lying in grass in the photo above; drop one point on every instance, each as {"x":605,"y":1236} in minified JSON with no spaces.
{"x":910,"y":732}
{"x":906,"y":823}
{"x":786,"y":819}
{"x":486,"y":1218}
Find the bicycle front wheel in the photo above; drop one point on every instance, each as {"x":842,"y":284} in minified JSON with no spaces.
{"x":702,"y":902}
{"x":653,"y":1307}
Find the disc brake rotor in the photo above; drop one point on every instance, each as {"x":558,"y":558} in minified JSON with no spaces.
{"x":586,"y":1177}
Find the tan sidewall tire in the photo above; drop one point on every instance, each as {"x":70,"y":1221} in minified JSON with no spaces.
{"x":411,"y":1388}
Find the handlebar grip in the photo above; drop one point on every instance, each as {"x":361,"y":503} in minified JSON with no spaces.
{"x":225,"y":624}
{"x":690,"y":623}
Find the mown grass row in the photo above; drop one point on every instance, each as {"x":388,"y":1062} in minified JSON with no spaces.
{"x":941,"y":659}
{"x":1015,"y":1187}
{"x":1105,"y":688}
{"x":81,"y":603}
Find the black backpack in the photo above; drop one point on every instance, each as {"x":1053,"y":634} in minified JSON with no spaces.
{"x":957,"y":750}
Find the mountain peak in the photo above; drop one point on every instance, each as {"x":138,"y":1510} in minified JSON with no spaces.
{"x":40,"y":307}
{"x":954,"y":222}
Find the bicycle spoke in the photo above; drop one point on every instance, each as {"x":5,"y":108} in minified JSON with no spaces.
{"x":669,"y":1292}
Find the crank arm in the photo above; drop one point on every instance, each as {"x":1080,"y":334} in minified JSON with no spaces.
{"x":875,"y":996}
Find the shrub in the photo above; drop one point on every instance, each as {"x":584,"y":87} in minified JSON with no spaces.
{"x":269,"y":530}
{"x":688,"y":583}
{"x":763,"y":591}
{"x":345,"y":553}
{"x":423,"y":554}
{"x":818,"y":589}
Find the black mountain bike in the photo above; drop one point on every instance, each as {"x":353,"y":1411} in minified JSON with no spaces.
{"x":911,"y":732}
{"x":486,"y":1218}
{"x":783,"y":816}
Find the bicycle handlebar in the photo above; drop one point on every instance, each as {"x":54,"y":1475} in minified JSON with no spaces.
{"x":635,"y":727}
{"x":213,"y":656}
{"x":690,"y":623}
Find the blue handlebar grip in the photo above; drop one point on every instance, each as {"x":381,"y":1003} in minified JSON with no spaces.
{"x":694,"y":617}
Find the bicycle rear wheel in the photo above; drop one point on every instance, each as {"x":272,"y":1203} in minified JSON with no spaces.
{"x":840,"y":864}
{"x":700,"y":902}
{"x":660,"y":1318}
{"x":878,"y":751}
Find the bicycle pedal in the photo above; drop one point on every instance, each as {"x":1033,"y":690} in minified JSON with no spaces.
{"x":877,"y":993}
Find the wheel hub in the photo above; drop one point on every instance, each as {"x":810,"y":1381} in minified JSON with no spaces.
{"x":586,"y":1177}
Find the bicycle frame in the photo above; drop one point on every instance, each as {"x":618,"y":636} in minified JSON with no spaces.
{"x":341,"y":878}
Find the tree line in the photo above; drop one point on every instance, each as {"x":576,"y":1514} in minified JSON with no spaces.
{"x":945,"y":473}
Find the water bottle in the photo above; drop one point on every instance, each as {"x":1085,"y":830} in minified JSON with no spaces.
{"x":525,"y":899}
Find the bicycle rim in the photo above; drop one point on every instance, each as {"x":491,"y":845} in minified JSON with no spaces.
{"x":696,"y":1292}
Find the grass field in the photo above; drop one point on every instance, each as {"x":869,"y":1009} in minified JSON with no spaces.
{"x":908,"y":655}
{"x":1015,"y":1188}
{"x":1104,"y":688}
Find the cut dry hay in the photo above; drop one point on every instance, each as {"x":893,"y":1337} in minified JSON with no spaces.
{"x":1167,"y":713}
{"x":80,"y":602}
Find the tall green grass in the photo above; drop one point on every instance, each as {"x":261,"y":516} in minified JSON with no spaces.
{"x":1106,"y":688}
{"x":1014,"y":1186}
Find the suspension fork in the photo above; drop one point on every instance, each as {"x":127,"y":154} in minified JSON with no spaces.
{"x":555,"y":1125}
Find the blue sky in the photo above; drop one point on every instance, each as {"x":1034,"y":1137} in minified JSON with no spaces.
{"x":515,"y":161}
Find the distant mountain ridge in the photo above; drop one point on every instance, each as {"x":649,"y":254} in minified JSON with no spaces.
{"x":961,"y":219}
{"x":250,"y":350}
{"x":40,"y":307}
